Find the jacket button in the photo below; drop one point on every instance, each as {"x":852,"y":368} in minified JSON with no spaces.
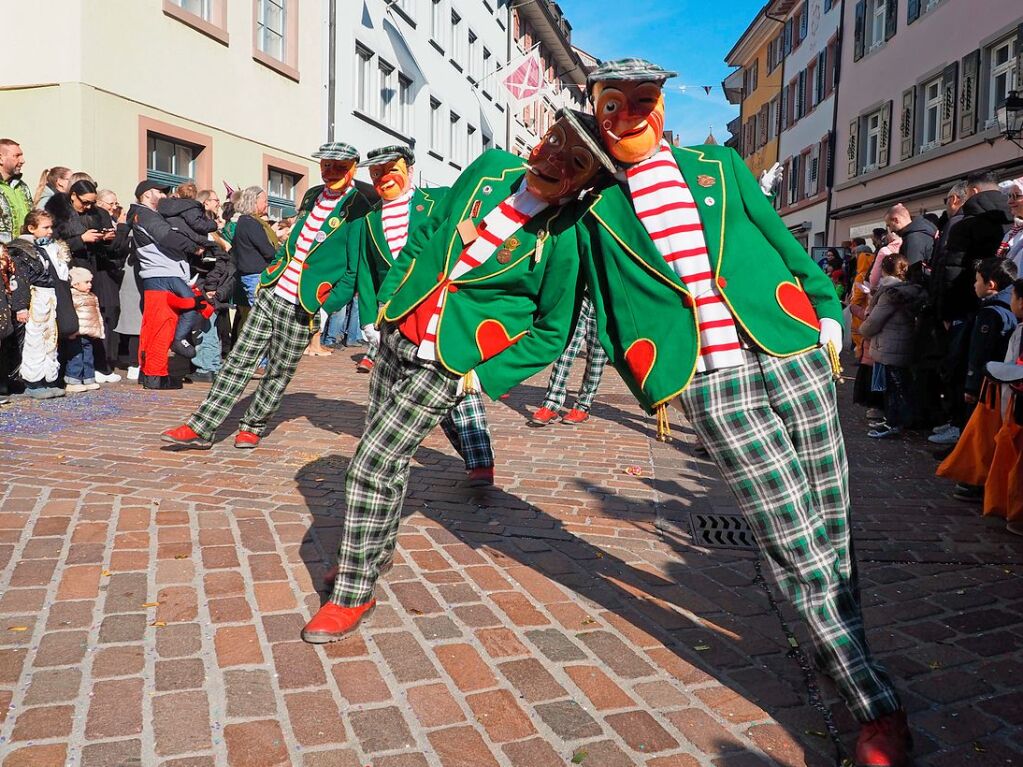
{"x":452,"y":288}
{"x":722,"y":282}
{"x":440,"y":277}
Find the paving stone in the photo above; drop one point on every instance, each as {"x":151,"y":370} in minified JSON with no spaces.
{"x":118,"y":753}
{"x":465,"y":666}
{"x":360,"y":682}
{"x":555,"y":645}
{"x":43,"y":722}
{"x":249,"y":693}
{"x":122,"y":628}
{"x":532,"y":680}
{"x":115,"y":710}
{"x":122,"y":660}
{"x":434,"y":706}
{"x":641,"y":731}
{"x":184,"y":674}
{"x":381,"y":729}
{"x":237,"y":645}
{"x":56,"y":686}
{"x":62,"y":648}
{"x":568,"y":720}
{"x":599,"y":687}
{"x":54,"y":755}
{"x":532,"y":753}
{"x":461,"y":747}
{"x":500,"y":716}
{"x":181,"y":722}
{"x":256,"y":744}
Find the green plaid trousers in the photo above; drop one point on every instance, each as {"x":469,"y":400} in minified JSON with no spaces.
{"x":276,"y":329}
{"x":772,"y":428}
{"x":408,"y":397}
{"x":596,"y":359}
{"x":468,"y":432}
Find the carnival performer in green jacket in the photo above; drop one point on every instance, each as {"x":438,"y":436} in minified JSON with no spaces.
{"x":704,"y":299}
{"x":483,"y":295}
{"x":311,"y":270}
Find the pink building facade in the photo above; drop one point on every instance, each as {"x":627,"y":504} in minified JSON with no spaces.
{"x":921,"y":80}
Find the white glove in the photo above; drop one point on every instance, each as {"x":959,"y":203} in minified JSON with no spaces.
{"x":771,"y":178}
{"x":831,"y":331}
{"x":371,"y":334}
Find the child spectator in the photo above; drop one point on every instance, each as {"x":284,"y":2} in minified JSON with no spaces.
{"x":77,"y":352}
{"x":890,"y":325}
{"x":994,"y":323}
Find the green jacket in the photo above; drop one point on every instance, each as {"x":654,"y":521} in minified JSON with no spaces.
{"x":645,"y":316}
{"x":328,"y":274}
{"x":506,"y":321}
{"x":374,"y":257}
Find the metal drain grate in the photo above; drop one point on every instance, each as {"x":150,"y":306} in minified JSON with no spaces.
{"x":721,"y":531}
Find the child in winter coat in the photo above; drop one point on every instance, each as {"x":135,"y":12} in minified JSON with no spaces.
{"x":890,"y":325}
{"x":994,"y":323}
{"x":77,"y":352}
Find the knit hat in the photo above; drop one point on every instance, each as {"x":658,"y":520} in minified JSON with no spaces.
{"x":627,"y":69}
{"x":388,"y":154}
{"x":78,"y":274}
{"x":1008,"y":186}
{"x":336,"y":150}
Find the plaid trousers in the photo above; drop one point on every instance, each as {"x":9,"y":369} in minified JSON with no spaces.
{"x":772,"y":428}
{"x":468,"y":432}
{"x":408,"y":397}
{"x":275,"y":329}
{"x":596,"y":359}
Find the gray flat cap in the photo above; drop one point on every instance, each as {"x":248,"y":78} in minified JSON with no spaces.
{"x":336,"y":150}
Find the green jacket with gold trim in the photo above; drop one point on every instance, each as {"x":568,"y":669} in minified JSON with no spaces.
{"x":374,"y":256}
{"x":328,"y":274}
{"x":506,"y":320}
{"x":646,"y":318}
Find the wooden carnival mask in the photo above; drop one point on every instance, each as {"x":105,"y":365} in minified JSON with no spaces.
{"x":561,"y":164}
{"x":391,"y":179}
{"x":630,"y":117}
{"x":338,"y":174}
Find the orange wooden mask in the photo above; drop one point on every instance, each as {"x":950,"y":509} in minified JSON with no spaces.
{"x":561,"y":164}
{"x":391,"y":179}
{"x":630,"y":116}
{"x":338,"y":174}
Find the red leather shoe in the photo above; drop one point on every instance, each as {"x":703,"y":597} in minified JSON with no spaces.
{"x":331,"y":575}
{"x":246,"y":440}
{"x":481,"y":477}
{"x":885,"y":742}
{"x":186,"y":437}
{"x":365,"y":365}
{"x":334,"y":622}
{"x":543,"y":416}
{"x":575,"y":416}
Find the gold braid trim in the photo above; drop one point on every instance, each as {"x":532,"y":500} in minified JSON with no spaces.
{"x":836,"y":363}
{"x":663,"y":423}
{"x":467,"y":385}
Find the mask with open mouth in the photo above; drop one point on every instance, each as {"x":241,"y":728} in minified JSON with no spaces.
{"x":338,"y":174}
{"x":562,"y":163}
{"x":630,"y":116}
{"x":391,"y":179}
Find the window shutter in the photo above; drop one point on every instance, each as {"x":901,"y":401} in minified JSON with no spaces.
{"x":788,"y":37}
{"x":803,"y":19}
{"x":968,"y":95}
{"x":823,"y":164}
{"x":762,"y":124}
{"x":912,"y":11}
{"x":949,"y":80}
{"x":1019,"y":58}
{"x":783,"y":109}
{"x":804,"y":161}
{"x":861,"y":30}
{"x":829,"y":68}
{"x":853,"y":148}
{"x":891,"y":19}
{"x":907,"y":124}
{"x":883,"y":141}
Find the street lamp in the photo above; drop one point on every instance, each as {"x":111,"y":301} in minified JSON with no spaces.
{"x":1010,"y":118}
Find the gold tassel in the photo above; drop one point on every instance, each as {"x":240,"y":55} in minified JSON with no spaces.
{"x":467,"y":385}
{"x":836,"y":362}
{"x":663,"y":423}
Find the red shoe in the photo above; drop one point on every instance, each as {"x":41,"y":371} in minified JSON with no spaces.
{"x":575,"y":416}
{"x":246,"y":440}
{"x":331,"y":575}
{"x":334,"y":622}
{"x":543,"y":416}
{"x":186,"y":437}
{"x":481,"y":477}
{"x":885,"y":742}
{"x":365,"y":365}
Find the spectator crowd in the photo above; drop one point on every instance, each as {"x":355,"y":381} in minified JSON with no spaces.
{"x":158,"y":290}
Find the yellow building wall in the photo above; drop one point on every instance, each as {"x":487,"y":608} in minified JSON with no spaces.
{"x":768,"y":88}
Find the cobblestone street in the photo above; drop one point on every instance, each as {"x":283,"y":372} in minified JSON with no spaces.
{"x":152,"y":599}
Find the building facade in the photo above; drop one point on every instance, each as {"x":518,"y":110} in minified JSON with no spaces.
{"x":921,"y":80}
{"x":154,"y":89}
{"x":759,"y":91}
{"x":422,"y":73}
{"x":806,"y":48}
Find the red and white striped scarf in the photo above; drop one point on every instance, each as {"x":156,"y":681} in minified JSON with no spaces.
{"x":394,"y":216}
{"x":668,"y":211}
{"x":287,"y":285}
{"x":496,"y":227}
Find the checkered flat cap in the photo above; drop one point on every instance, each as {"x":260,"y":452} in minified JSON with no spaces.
{"x":585,"y":125}
{"x":388,"y":154}
{"x":336,"y":150}
{"x":628,"y":69}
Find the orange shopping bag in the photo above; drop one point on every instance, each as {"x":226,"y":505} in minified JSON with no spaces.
{"x":1006,"y":458}
{"x":970,"y":461}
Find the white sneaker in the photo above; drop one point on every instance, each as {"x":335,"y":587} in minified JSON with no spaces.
{"x":76,"y":388}
{"x":936,"y":430}
{"x":948,"y":437}
{"x":104,"y":378}
{"x":133,"y":374}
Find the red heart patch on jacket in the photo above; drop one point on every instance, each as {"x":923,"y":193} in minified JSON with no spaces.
{"x":492,"y":338}
{"x":322,"y":291}
{"x":795,"y":303}
{"x":640,"y":357}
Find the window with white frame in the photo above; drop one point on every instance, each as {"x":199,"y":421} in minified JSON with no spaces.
{"x":388,"y":89}
{"x":488,"y":63}
{"x":794,"y":180}
{"x":772,"y":119}
{"x":819,"y":77}
{"x":457,"y":38}
{"x":437,"y":22}
{"x":1003,"y":77}
{"x":454,"y":139}
{"x":488,"y":142}
{"x":280,"y":192}
{"x":877,"y":12}
{"x":872,"y":146}
{"x":405,"y":105}
{"x":474,"y":51}
{"x":406,"y":7}
{"x":812,"y":171}
{"x":201,"y":8}
{"x":933,"y":101}
{"x":436,"y":126}
{"x":168,"y":161}
{"x":364,"y":81}
{"x":270,"y":28}
{"x":470,"y":143}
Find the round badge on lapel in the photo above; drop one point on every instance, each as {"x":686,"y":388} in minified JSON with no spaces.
{"x":420,"y":208}
{"x":709,"y":202}
{"x":321,"y":236}
{"x":334,"y":222}
{"x":488,"y":189}
{"x":503,"y":256}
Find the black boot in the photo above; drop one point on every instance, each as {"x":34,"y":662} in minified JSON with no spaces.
{"x":151,"y":382}
{"x":183,"y":348}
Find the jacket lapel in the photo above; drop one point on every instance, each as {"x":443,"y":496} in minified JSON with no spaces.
{"x":705,"y":179}
{"x":338,"y":215}
{"x":490,"y":191}
{"x":377,"y":237}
